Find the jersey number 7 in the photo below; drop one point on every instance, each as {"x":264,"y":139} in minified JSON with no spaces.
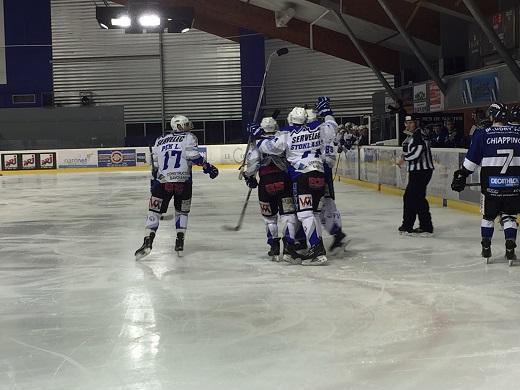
{"x":172,"y":153}
{"x":510,"y":154}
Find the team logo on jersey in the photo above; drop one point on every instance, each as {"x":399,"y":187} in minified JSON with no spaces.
{"x":155,"y":204}
{"x":305,"y":201}
{"x":504,"y":181}
{"x":265,"y":209}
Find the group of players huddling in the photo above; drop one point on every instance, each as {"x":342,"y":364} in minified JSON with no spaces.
{"x":294,"y":166}
{"x":295,"y":185}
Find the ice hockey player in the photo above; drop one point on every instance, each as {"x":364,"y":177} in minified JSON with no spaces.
{"x":330,"y":215}
{"x":274,"y":191}
{"x":173,"y":154}
{"x":301,"y":143}
{"x":497,"y":150}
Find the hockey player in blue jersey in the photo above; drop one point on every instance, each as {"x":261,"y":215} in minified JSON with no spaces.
{"x":173,"y":154}
{"x":497,"y":150}
{"x":302,"y":144}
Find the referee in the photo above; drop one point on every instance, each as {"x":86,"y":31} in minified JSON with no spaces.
{"x":418,"y":155}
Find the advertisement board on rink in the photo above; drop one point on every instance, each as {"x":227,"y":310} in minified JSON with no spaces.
{"x":78,"y":158}
{"x":117,"y":158}
{"x":29,"y":161}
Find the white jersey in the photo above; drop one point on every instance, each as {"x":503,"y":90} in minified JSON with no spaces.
{"x":330,"y":128}
{"x":302,"y":145}
{"x":174,"y":155}
{"x":256,"y":160}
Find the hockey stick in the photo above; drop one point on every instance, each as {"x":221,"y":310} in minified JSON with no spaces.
{"x":280,"y":52}
{"x":337,"y":166}
{"x":473,"y":184}
{"x":242,"y":214}
{"x":154,"y":169}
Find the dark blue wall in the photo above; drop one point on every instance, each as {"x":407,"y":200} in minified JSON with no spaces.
{"x":252,"y":63}
{"x":28,"y":40}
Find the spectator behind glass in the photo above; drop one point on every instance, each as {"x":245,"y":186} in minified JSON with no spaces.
{"x":363,"y":136}
{"x":455,"y":136}
{"x":440,"y":136}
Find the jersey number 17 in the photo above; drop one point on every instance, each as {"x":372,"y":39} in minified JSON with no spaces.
{"x":174,"y":154}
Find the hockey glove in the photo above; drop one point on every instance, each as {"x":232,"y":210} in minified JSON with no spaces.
{"x":254,"y":130}
{"x":251,"y":181}
{"x":459,"y":179}
{"x":323,"y":106}
{"x":210,"y":170}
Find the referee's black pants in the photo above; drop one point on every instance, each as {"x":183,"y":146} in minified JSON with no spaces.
{"x":414,"y":200}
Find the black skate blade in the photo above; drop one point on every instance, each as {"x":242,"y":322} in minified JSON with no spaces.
{"x":141,"y":256}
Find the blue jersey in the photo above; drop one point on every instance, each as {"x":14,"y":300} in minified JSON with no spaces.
{"x":497,"y":150}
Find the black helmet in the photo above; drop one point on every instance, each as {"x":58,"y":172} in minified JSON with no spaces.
{"x":514,"y":114}
{"x":497,"y":112}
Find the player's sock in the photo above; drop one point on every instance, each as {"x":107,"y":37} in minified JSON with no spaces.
{"x":271,"y":227}
{"x":510,"y":227}
{"x":181,"y":221}
{"x":487,"y":228}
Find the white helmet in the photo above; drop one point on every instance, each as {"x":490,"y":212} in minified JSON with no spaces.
{"x":269,"y":125}
{"x":298,"y":116}
{"x":181,"y":123}
{"x":312,"y":115}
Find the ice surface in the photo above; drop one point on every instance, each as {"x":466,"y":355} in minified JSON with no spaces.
{"x":77,"y":312}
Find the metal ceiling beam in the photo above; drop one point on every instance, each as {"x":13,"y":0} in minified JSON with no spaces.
{"x":239,"y":14}
{"x":413,"y":46}
{"x":425,"y":26}
{"x":367,"y":59}
{"x":493,"y":37}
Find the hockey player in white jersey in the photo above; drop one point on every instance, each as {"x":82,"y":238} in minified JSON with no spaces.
{"x":302,"y":145}
{"x":173,"y":154}
{"x":274,"y":191}
{"x":330,"y":215}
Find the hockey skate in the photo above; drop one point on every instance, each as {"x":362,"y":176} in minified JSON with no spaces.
{"x":146,"y":248}
{"x":315,"y":255}
{"x":420,"y":232}
{"x":510,"y":252}
{"x":274,"y":252}
{"x":338,"y":242}
{"x":486,"y":250}
{"x":179,"y":244}
{"x":290,"y":255}
{"x":404,"y":231}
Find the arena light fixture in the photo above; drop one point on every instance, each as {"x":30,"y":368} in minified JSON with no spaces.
{"x":149,"y":20}
{"x":121,"y":21}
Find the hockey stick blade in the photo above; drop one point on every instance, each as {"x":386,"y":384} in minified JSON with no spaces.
{"x":242,"y":214}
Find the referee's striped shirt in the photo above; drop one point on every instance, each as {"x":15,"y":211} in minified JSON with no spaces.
{"x":417,"y":153}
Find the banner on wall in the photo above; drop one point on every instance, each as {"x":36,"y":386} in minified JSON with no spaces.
{"x":419,"y":98}
{"x":436,"y":97}
{"x":28,"y":161}
{"x":117,"y":158}
{"x":3,"y":70}
{"x":480,"y":89}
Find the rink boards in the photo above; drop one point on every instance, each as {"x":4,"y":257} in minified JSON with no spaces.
{"x":85,"y":160}
{"x":375,"y":166}
{"x":370,"y":166}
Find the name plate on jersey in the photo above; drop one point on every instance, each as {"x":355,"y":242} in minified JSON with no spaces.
{"x":504,"y":181}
